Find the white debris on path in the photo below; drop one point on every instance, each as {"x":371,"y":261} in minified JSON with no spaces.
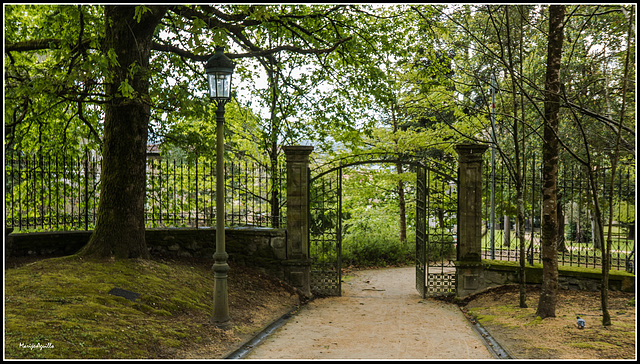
{"x":380,"y":315}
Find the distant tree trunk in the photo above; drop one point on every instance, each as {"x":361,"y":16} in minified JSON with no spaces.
{"x":520,"y":219}
{"x":596,"y":240}
{"x":550,"y":152}
{"x":507,"y":232}
{"x":561,"y":245}
{"x":402,"y":206}
{"x":401,"y":201}
{"x":120,"y":225}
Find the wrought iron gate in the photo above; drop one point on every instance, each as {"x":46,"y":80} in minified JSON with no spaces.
{"x":325,"y":239}
{"x":436,"y":209}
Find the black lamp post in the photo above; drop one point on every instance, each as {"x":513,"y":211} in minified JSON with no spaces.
{"x":219,"y":70}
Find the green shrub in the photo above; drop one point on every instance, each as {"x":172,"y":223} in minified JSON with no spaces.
{"x":373,"y":239}
{"x":377,"y":252}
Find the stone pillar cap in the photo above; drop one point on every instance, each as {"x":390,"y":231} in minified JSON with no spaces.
{"x":471,"y":147}
{"x":470,"y":152}
{"x":299,"y":149}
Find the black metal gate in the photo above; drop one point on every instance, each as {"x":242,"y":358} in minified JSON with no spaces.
{"x":436,"y":207}
{"x":325,"y":238}
{"x":436,"y":239}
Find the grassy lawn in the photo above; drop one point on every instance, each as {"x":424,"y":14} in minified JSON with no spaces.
{"x":60,"y":308}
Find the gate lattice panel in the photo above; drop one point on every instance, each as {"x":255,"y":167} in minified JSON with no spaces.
{"x":325,"y":205}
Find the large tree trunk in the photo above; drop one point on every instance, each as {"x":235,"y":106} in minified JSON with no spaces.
{"x":120,"y":226}
{"x":550,"y":151}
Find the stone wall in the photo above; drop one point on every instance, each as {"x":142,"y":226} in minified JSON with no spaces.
{"x":497,"y":273}
{"x":257,"y":247}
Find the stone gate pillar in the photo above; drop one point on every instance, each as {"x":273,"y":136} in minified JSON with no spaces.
{"x":297,"y":266}
{"x":469,"y":268}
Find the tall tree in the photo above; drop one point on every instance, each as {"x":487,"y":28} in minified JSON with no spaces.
{"x":550,"y":152}
{"x":131,"y":36}
{"x":120,"y":228}
{"x":606,"y":257}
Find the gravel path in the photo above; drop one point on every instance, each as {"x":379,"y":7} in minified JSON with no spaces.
{"x":379,"y":316}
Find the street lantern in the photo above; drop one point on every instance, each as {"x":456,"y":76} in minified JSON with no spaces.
{"x":219,"y":70}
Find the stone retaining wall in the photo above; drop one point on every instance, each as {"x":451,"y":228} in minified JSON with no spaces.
{"x":587,"y":279}
{"x":257,"y":247}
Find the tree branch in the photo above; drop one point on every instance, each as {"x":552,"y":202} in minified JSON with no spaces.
{"x":257,"y":53}
{"x":608,"y":121}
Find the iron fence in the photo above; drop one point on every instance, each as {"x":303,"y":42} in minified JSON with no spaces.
{"x":53,"y":192}
{"x":577,"y":244}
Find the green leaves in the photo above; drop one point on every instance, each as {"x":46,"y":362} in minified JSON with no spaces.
{"x":125,"y":89}
{"x":139,"y":12}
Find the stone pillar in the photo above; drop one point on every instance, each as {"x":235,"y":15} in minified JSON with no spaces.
{"x":297,"y":266}
{"x":469,"y":267}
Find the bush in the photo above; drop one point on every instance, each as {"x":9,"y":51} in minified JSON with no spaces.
{"x":374,"y":240}
{"x":377,"y":252}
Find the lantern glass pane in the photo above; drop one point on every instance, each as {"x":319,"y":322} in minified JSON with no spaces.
{"x":219,"y":85}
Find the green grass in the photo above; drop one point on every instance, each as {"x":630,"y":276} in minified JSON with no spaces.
{"x":60,"y":309}
{"x":535,"y":321}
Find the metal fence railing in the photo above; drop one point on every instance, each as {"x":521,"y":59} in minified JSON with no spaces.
{"x":577,"y":243}
{"x":53,"y":192}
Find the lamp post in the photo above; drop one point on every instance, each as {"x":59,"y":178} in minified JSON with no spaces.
{"x":219,"y":70}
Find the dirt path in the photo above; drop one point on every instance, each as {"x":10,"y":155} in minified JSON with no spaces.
{"x":379,"y":316}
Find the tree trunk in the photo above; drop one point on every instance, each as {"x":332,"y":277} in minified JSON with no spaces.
{"x":561,"y":246}
{"x":596,"y":241}
{"x":401,"y":200}
{"x":273,"y":145}
{"x":506,"y":241}
{"x":520,"y":169}
{"x":550,"y":152}
{"x":402,"y":205}
{"x":120,"y":226}
{"x":606,"y":256}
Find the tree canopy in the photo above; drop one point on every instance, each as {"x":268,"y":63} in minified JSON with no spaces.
{"x":354,"y":80}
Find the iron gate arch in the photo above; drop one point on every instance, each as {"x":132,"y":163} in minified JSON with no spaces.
{"x":436,"y":225}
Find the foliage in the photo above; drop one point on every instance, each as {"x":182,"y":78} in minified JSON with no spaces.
{"x":372,"y":240}
{"x":406,"y":80}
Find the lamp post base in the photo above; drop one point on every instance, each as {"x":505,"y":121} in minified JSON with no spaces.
{"x":220,"y":316}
